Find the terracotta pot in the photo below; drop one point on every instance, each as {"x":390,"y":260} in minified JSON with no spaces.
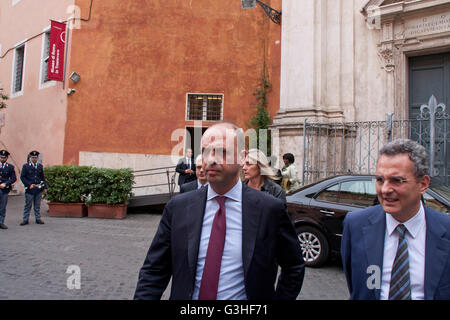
{"x":116,"y":211}
{"x":67,"y":210}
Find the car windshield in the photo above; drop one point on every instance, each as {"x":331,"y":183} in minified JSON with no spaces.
{"x":440,"y":189}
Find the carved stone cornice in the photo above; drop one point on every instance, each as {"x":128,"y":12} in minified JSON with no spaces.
{"x":388,"y":10}
{"x":406,"y":25}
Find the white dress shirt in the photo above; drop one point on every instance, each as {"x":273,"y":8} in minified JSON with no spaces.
{"x":231,"y":279}
{"x":415,"y":237}
{"x":199,"y":185}
{"x":188,"y":162}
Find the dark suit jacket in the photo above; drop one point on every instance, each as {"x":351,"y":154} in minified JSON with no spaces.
{"x":31,"y":175}
{"x":273,"y":189}
{"x":183,"y":177}
{"x":363,"y":245}
{"x":7,"y":176}
{"x":190,"y":186}
{"x":268,"y":240}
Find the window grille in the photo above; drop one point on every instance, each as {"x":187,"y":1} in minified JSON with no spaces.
{"x":206,"y":107}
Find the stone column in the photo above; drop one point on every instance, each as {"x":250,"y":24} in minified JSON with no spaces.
{"x":297,"y":54}
{"x":316,"y":57}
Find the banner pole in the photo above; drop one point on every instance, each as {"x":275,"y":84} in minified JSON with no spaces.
{"x":65,"y":54}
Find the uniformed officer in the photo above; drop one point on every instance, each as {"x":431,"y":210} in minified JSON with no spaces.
{"x":32,"y":177}
{"x":7,"y":178}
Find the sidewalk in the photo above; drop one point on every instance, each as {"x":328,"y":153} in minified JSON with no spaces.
{"x":34,"y":258}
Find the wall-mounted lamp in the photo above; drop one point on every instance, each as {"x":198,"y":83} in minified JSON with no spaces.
{"x":273,"y":14}
{"x":70,"y":91}
{"x":75,"y":77}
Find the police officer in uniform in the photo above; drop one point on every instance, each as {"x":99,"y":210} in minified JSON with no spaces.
{"x":7,"y":178}
{"x":32,"y":177}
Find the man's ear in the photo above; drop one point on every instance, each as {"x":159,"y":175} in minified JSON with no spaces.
{"x":424,"y":184}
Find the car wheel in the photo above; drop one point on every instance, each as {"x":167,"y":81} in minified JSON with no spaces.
{"x":314,"y":246}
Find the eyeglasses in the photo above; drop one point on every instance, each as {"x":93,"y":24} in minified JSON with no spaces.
{"x":393,"y":181}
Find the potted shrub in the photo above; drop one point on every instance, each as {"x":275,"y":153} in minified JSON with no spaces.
{"x":67,"y":186}
{"x":109,"y":192}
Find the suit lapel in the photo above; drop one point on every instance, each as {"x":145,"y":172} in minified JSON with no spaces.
{"x":194,"y":214}
{"x":437,"y":249}
{"x":251,"y":214}
{"x":374,"y":240}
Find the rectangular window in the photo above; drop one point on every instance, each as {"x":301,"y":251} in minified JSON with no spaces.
{"x":45,"y":53}
{"x":19,"y":55}
{"x":206,"y":107}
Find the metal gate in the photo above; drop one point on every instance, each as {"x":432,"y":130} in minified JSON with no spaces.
{"x":352,"y":147}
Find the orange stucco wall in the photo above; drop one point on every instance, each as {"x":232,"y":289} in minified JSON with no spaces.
{"x":138,"y":59}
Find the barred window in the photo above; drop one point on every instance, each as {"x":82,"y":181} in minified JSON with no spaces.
{"x":207,"y":107}
{"x":18,"y":68}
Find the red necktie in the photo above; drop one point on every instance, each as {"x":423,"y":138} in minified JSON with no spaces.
{"x":211,"y":270}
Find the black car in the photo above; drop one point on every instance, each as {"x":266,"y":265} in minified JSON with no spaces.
{"x":318,"y":210}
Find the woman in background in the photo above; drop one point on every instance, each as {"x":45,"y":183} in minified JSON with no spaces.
{"x":290,"y":180}
{"x":258,"y":174}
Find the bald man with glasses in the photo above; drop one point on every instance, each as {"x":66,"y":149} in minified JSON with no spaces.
{"x":201,"y":181}
{"x":225,"y":241}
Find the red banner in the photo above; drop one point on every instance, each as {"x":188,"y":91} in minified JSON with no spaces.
{"x":56,"y":51}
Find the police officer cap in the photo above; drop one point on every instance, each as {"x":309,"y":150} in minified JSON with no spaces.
{"x":4,"y":153}
{"x":34,"y":153}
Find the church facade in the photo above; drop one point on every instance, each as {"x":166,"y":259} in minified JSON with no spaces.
{"x":359,"y":61}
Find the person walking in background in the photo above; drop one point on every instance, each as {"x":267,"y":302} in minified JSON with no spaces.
{"x":400,"y":249}
{"x":259,"y":175}
{"x":186,"y":168}
{"x":224,"y":241}
{"x":290,"y":180}
{"x":201,"y":177}
{"x":33,"y":179}
{"x":7,"y":178}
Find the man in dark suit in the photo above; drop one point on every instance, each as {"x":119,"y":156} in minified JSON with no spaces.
{"x":399,"y":249}
{"x":224,"y":241}
{"x":33,"y":179}
{"x":7,"y":178}
{"x":201,"y":178}
{"x":186,"y":168}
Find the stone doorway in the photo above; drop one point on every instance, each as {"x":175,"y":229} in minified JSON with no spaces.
{"x":428,"y":75}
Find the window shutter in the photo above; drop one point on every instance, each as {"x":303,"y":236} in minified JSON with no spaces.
{"x":18,"y":72}
{"x":45,"y":57}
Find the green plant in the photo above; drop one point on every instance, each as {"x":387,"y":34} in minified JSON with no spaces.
{"x":3,"y":98}
{"x":73,"y":184}
{"x":109,"y":186}
{"x":67,"y":183}
{"x":261,"y":120}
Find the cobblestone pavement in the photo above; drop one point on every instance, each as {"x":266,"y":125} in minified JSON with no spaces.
{"x":34,"y":258}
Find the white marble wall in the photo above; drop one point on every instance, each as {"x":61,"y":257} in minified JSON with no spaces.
{"x":135,"y":162}
{"x":330,"y":65}
{"x":330,"y":70}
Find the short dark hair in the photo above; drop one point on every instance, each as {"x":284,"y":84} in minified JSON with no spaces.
{"x":415,"y":151}
{"x":290,"y":157}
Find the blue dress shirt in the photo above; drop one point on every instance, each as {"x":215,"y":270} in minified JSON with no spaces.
{"x":231,"y":280}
